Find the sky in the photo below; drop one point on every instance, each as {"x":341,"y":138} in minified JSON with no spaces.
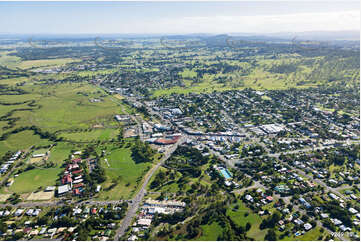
{"x":178,"y":17}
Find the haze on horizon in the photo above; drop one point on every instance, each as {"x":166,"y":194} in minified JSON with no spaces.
{"x":178,"y":17}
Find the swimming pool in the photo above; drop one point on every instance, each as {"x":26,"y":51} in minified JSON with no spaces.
{"x":225,"y":173}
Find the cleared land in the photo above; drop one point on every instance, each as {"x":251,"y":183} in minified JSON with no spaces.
{"x":122,"y":175}
{"x":40,"y":196}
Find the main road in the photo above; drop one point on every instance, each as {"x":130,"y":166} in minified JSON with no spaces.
{"x":134,"y":206}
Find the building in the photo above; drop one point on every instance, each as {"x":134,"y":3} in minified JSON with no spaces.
{"x":63,"y":190}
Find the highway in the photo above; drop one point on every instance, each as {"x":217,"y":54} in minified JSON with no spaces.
{"x":134,"y":205}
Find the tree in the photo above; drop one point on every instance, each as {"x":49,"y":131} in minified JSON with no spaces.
{"x":248,"y":226}
{"x":271,"y":235}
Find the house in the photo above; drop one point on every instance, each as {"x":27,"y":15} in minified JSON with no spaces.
{"x":324,"y":215}
{"x":76,"y":192}
{"x":132,"y":238}
{"x":304,"y":202}
{"x":93,"y":211}
{"x":30,"y":212}
{"x":42,"y":231}
{"x":307,"y":226}
{"x":298,"y":221}
{"x":269,"y":198}
{"x":343,"y":228}
{"x":333,"y":196}
{"x":249,"y":198}
{"x":18,"y":212}
{"x":36,"y":212}
{"x":335,"y":221}
{"x":144,"y":222}
{"x":34,"y":232}
{"x":352,"y":210}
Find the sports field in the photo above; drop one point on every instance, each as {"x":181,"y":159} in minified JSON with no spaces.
{"x":31,"y":180}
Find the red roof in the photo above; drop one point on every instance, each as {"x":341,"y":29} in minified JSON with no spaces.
{"x":66,"y":179}
{"x":94,"y":211}
{"x":269,"y":198}
{"x":77,"y":171}
{"x":165,"y":141}
{"x":78,"y":185}
{"x":76,"y":160}
{"x":76,"y":192}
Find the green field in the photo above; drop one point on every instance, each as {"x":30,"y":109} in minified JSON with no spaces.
{"x":92,"y":135}
{"x":42,"y":63}
{"x":240,"y":219}
{"x":16,"y":62}
{"x":31,"y":180}
{"x":9,"y":60}
{"x":122,"y":170}
{"x":22,"y":140}
{"x":210,"y":232}
{"x":60,"y":152}
{"x":311,"y":235}
{"x":66,"y":106}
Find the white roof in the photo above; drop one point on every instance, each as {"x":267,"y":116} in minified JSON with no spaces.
{"x":352,"y":210}
{"x":307,"y":226}
{"x":144,"y":221}
{"x":63,"y":189}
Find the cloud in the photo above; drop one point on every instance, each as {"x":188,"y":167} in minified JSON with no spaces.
{"x":324,"y":21}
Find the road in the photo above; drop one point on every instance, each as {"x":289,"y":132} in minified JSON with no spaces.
{"x":59,"y":203}
{"x":132,"y":210}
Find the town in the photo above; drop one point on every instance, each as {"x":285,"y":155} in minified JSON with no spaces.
{"x":179,"y":137}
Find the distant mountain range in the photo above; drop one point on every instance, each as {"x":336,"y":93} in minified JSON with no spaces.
{"x":310,"y":35}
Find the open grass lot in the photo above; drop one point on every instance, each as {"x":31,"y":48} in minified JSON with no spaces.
{"x":312,"y":235}
{"x":122,"y":174}
{"x":11,"y":61}
{"x":67,"y":106}
{"x":28,"y":64}
{"x":31,"y":180}
{"x":96,"y":134}
{"x":238,"y":216}
{"x":60,"y":152}
{"x":21,"y":140}
{"x":47,"y":62}
{"x":210,"y":232}
{"x":18,"y":98}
